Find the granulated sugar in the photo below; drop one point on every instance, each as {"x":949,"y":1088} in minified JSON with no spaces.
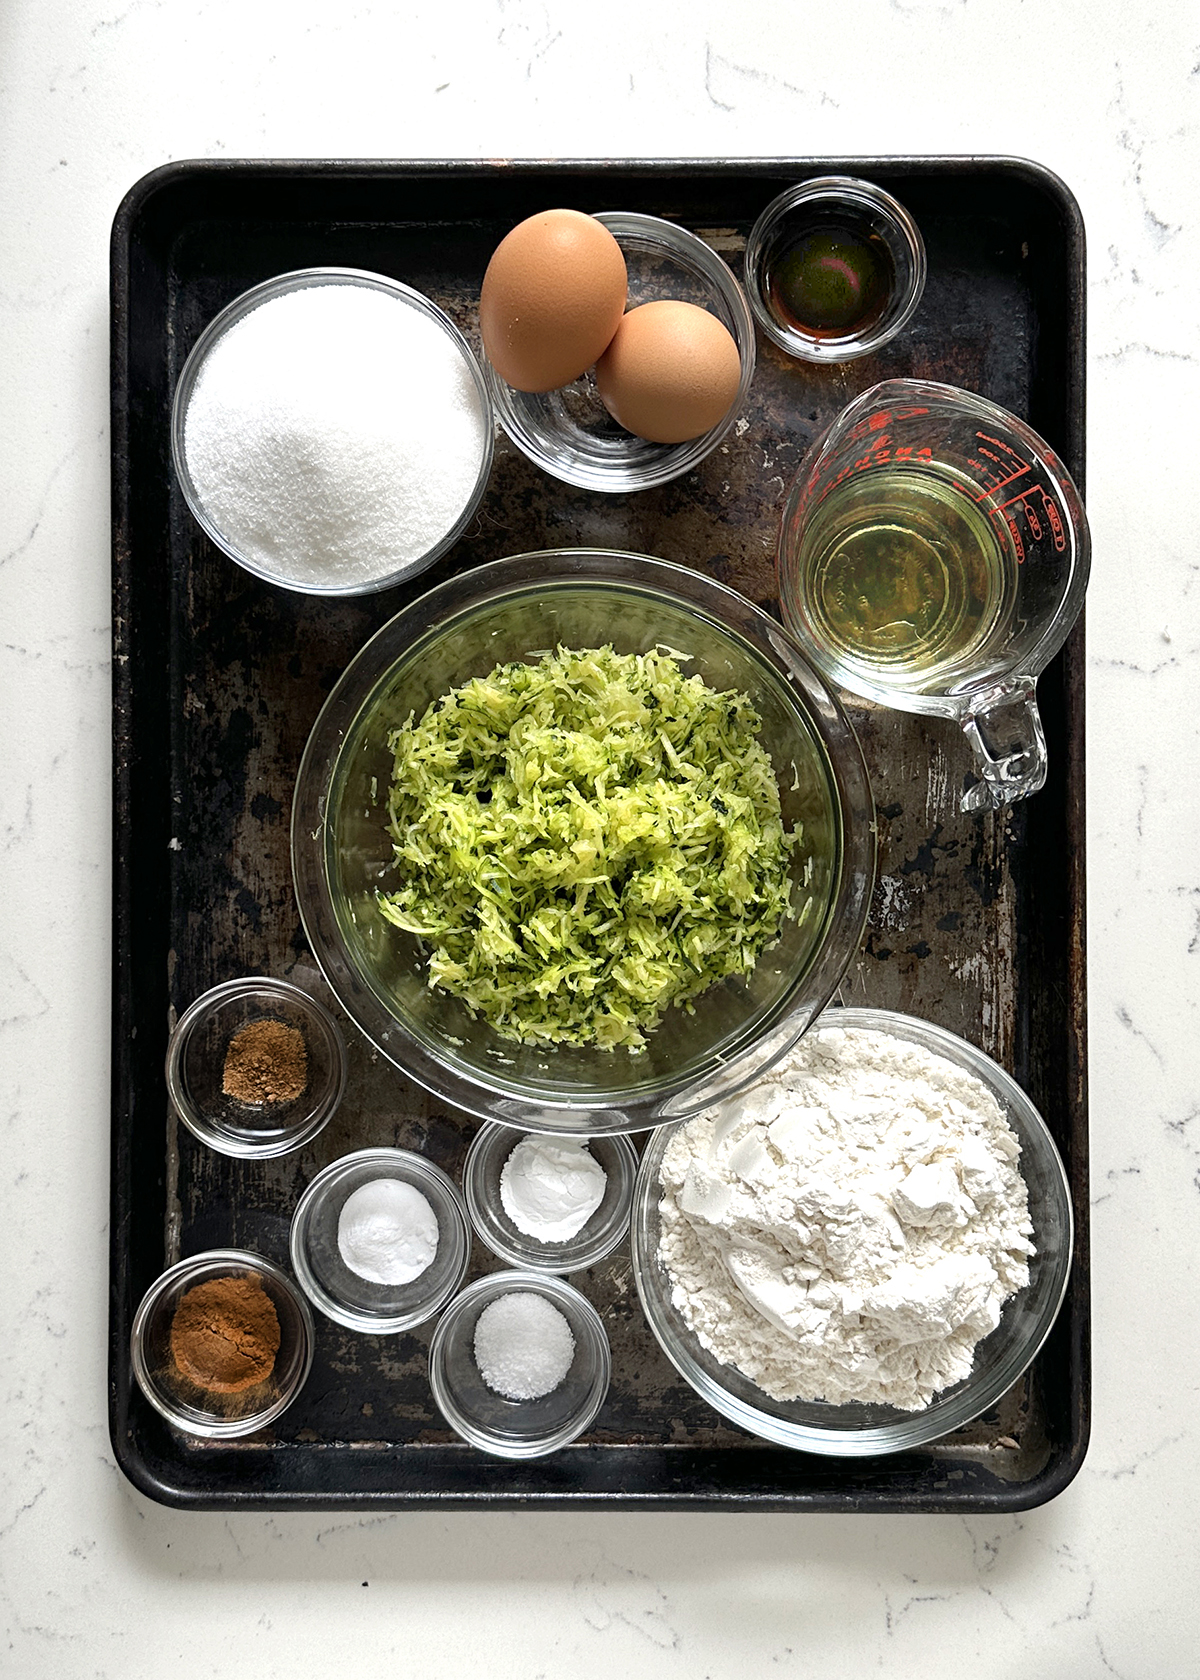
{"x":334,"y":435}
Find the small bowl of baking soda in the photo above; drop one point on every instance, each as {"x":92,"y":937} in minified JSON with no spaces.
{"x":549,"y":1204}
{"x":332,"y":431}
{"x":380,"y":1240}
{"x":519,"y":1364}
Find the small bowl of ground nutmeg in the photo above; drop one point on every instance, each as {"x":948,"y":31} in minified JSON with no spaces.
{"x":222,"y":1343}
{"x":256,"y":1067}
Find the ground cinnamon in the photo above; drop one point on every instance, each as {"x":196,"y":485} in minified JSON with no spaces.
{"x":266,"y":1062}
{"x":225,"y":1334}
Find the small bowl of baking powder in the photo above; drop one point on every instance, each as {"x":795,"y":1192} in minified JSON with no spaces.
{"x":332,"y":431}
{"x":380,"y":1240}
{"x":549,"y":1204}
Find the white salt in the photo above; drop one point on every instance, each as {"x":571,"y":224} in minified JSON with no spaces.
{"x":334,"y":435}
{"x":523,"y":1345}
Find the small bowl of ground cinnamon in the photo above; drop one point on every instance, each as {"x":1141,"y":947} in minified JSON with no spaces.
{"x":222,"y":1343}
{"x":256,"y":1067}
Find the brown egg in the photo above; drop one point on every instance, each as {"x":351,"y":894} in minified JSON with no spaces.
{"x":670,"y":373}
{"x":552,"y":298}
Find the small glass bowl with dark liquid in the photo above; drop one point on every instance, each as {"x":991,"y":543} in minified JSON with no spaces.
{"x":834,"y":268}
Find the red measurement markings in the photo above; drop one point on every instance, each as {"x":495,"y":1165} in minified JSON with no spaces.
{"x":1006,"y":522}
{"x":1007,"y":461}
{"x":1024,"y":503}
{"x":876,"y":422}
{"x":881,"y":453}
{"x":1056,"y":524}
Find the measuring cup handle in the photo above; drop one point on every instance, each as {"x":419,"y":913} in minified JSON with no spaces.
{"x":1006,"y":736}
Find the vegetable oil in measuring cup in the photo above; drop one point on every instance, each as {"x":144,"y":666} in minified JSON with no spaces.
{"x":904,"y":579}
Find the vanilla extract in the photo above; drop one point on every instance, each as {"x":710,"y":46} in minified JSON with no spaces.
{"x":829,"y":280}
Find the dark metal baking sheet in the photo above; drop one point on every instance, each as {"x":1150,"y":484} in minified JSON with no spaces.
{"x":977,"y":922}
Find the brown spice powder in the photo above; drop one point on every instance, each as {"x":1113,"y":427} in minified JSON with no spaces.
{"x":225,"y":1334}
{"x":266,"y":1062}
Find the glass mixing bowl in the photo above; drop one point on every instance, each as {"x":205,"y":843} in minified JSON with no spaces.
{"x":518,"y":1428}
{"x":342,"y":1294}
{"x":569,"y":433}
{"x":220,"y":1417}
{"x":859,"y":1431}
{"x":607,"y":1227}
{"x":861,"y":217}
{"x":281,"y":568}
{"x":195,"y":1068}
{"x":342,"y":852}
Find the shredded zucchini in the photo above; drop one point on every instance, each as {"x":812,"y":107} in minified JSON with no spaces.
{"x":584,"y":841}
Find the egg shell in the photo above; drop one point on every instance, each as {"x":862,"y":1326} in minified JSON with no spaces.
{"x":670,"y":373}
{"x":552,"y":298}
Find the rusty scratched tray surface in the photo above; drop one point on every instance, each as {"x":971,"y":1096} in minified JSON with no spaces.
{"x":977,"y":922}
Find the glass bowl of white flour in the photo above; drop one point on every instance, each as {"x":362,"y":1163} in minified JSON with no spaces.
{"x":863,"y":1251}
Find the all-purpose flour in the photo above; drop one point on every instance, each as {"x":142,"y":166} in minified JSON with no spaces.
{"x":849,"y":1228}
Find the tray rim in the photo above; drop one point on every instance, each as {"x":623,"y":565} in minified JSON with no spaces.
{"x":1060,"y":1471}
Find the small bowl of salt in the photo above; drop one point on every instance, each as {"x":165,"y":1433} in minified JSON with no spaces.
{"x":380,"y":1240}
{"x":546,"y":1203}
{"x":519,"y":1364}
{"x":332,"y":431}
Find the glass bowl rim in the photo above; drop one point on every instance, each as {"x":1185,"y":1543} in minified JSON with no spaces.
{"x":907,"y":1430}
{"x":672,"y":459}
{"x":436,"y":612}
{"x":491,"y":1286}
{"x":835,"y":189}
{"x":559,"y":1257}
{"x":417,"y":1166}
{"x":224,"y":992}
{"x":236,"y":311}
{"x":229,"y":1261}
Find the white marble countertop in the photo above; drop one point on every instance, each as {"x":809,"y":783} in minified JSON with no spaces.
{"x":99,"y":1582}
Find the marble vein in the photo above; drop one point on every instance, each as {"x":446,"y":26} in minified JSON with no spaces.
{"x":715,"y":62}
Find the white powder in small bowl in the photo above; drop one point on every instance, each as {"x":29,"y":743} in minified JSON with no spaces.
{"x":387,"y":1232}
{"x":523,"y":1345}
{"x":551,"y":1187}
{"x":334,"y":435}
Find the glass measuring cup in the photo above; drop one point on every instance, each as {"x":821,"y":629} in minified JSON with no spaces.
{"x":933,"y":558}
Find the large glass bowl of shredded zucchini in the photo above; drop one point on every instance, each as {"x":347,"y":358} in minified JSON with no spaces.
{"x":581,"y":842}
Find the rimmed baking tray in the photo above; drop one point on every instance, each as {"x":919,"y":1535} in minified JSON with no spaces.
{"x":977,"y":922}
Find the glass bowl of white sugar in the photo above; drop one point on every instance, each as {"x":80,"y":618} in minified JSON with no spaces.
{"x":549,"y":1204}
{"x":380,"y":1240}
{"x":865,"y":1250}
{"x":519,"y":1364}
{"x":332,"y":431}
